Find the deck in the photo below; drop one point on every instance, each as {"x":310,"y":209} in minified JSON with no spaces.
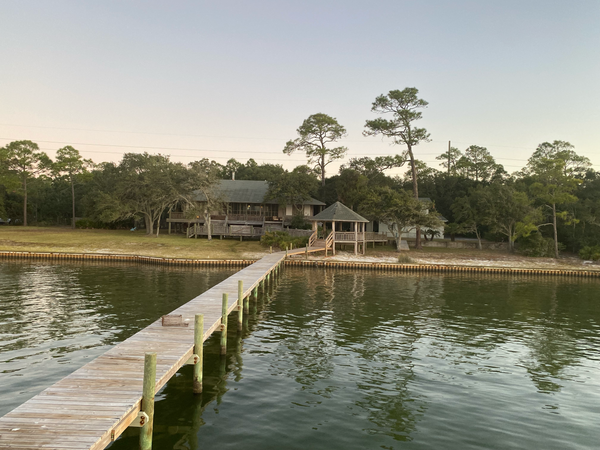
{"x":91,"y":407}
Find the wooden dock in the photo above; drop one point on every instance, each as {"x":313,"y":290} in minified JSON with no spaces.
{"x":91,"y":407}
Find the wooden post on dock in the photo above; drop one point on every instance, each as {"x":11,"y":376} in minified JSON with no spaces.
{"x":148,"y":400}
{"x":306,"y":252}
{"x":247,"y":304}
{"x":255,"y":293}
{"x":240,"y":305}
{"x":198,"y":350}
{"x":224,"y":325}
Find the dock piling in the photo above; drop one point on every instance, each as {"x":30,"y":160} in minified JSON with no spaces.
{"x":247,"y":302}
{"x":240,"y":305}
{"x":198,"y":350}
{"x":148,"y":400}
{"x":224,"y":325}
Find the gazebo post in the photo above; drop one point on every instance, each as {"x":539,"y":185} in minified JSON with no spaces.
{"x":333,"y":230}
{"x":355,"y":238}
{"x":364,"y":229}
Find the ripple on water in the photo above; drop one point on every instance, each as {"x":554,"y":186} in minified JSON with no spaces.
{"x":341,"y":360}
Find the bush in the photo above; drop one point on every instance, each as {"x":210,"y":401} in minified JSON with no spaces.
{"x":87,"y":223}
{"x":97,"y":225}
{"x":590,"y":253}
{"x":537,"y":245}
{"x":403,"y":258}
{"x":282,"y":240}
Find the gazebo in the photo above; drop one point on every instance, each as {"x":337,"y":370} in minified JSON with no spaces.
{"x":347,"y":227}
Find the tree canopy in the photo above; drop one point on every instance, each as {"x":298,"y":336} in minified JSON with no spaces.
{"x":552,"y":204}
{"x":553,"y":168}
{"x":315,"y":134}
{"x":26,"y":161}
{"x":399,"y":211}
{"x":404,"y":108}
{"x":70,"y":164}
{"x":294,"y":188}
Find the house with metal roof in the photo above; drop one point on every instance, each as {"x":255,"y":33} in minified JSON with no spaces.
{"x":245,"y":210}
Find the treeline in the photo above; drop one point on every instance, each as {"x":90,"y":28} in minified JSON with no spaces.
{"x":553,"y":204}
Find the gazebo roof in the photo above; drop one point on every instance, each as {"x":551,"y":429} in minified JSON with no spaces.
{"x":337,"y":213}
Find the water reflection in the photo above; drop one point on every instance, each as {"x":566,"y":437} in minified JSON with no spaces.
{"x":55,"y":318}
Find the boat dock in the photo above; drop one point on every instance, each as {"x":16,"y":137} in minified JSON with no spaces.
{"x":92,"y":406}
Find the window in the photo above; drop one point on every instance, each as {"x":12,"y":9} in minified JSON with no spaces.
{"x":271,"y":210}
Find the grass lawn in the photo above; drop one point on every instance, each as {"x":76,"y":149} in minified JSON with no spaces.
{"x":44,"y":239}
{"x":66,"y":240}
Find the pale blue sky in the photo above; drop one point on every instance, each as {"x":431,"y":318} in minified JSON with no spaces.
{"x":235,"y":79}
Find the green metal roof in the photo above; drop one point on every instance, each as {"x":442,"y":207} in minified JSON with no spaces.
{"x":245,"y":191}
{"x":337,"y":213}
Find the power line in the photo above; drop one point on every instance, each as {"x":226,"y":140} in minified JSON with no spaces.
{"x":140,"y":132}
{"x":195,"y":149}
{"x":220,"y":137}
{"x":287,"y":159}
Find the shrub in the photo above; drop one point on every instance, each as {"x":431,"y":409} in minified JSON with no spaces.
{"x":403,"y":258}
{"x":282,"y":240}
{"x":590,"y":253}
{"x":97,"y":225}
{"x":537,"y":245}
{"x":86,"y":223}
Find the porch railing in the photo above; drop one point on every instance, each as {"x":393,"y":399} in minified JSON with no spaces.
{"x":373,"y":236}
{"x":225,"y":230}
{"x":348,"y":236}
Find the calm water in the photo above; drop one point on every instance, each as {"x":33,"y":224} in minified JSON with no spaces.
{"x":56,"y":318}
{"x":333,"y":360}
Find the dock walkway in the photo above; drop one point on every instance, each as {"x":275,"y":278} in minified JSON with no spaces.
{"x":92,"y":406}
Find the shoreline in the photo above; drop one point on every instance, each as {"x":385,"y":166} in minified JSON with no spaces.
{"x":367,"y":263}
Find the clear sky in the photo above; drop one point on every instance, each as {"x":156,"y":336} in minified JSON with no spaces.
{"x":227,"y":79}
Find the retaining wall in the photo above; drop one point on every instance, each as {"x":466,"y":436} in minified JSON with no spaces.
{"x":437,"y":268}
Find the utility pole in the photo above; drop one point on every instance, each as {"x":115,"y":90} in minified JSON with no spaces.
{"x":448,"y":157}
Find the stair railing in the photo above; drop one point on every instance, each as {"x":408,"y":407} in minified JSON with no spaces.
{"x":312,"y":239}
{"x":329,"y":240}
